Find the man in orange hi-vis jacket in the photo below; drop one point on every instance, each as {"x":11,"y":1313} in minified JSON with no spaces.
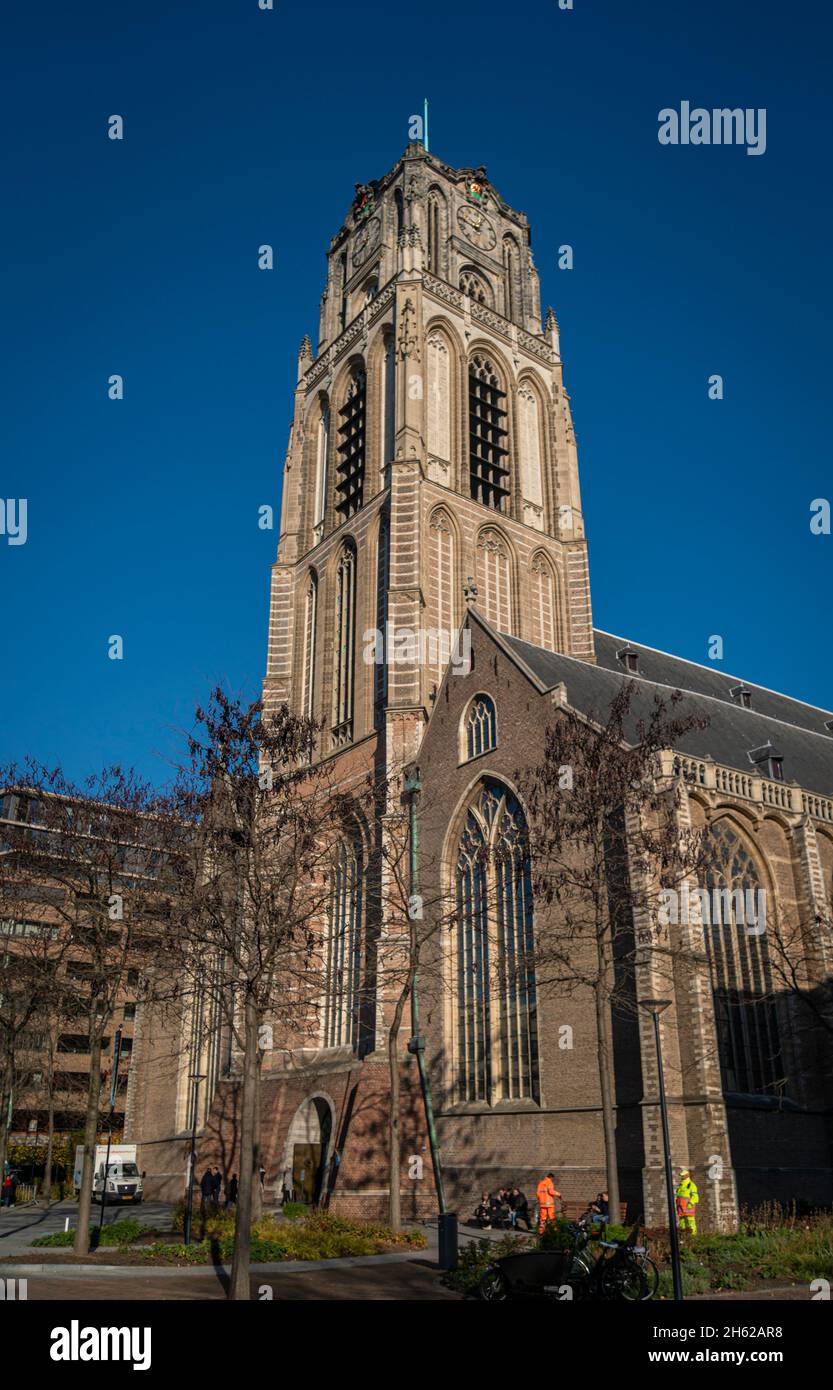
{"x":547,"y":1194}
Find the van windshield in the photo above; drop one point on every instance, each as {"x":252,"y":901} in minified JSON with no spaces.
{"x":124,"y":1170}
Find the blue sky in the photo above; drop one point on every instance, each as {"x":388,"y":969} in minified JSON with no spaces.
{"x":245,"y":126}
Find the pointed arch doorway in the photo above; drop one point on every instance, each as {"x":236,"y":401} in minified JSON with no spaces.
{"x":308,"y":1150}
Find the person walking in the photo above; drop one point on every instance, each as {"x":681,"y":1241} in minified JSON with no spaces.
{"x":547,"y":1194}
{"x":206,"y":1190}
{"x":686,"y":1199}
{"x":231,"y":1191}
{"x":216,"y":1186}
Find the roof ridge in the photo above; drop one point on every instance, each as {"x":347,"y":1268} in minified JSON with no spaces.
{"x":661,"y":685}
{"x":727,"y":674}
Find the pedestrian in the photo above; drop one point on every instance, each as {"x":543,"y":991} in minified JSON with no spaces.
{"x":548,"y":1194}
{"x":600,"y":1207}
{"x":262,"y":1175}
{"x":206,"y":1190}
{"x":216,"y":1186}
{"x":686,"y":1199}
{"x":7,"y":1190}
{"x":520,"y":1209}
{"x":231,"y":1191}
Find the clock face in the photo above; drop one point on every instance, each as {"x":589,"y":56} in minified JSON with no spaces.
{"x":476,"y":227}
{"x":365,"y":240}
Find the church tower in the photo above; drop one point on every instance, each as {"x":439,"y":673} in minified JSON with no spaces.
{"x":431,"y":462}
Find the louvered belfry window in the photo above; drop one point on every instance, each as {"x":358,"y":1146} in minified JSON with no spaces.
{"x":488,"y":454}
{"x":351,"y":448}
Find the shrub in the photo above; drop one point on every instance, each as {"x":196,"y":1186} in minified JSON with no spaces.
{"x":120,"y":1233}
{"x":475,"y":1259}
{"x":292,"y":1210}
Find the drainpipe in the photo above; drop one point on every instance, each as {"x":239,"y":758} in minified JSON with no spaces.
{"x":416,"y":1043}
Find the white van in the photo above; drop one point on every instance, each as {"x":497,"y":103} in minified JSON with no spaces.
{"x":123,"y":1182}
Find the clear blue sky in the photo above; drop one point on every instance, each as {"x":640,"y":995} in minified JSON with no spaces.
{"x":245,"y":126}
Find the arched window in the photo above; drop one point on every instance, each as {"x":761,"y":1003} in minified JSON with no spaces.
{"x":529,"y":431}
{"x":439,"y":398}
{"x":441,"y":583}
{"x":543,"y":609}
{"x":434,"y":261}
{"x":480,"y":727}
{"x":475,"y":287}
{"x":388,"y":405}
{"x":494,"y":583}
{"x":310,"y":625}
{"x":345,"y":647}
{"x":488,"y":455}
{"x":351,"y":447}
{"x":343,"y":949}
{"x":495,"y":1005}
{"x":321,"y":454}
{"x":744,"y":1008}
{"x":510,"y":277}
{"x":380,"y":672}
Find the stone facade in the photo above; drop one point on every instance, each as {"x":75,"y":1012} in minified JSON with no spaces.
{"x":431,"y":488}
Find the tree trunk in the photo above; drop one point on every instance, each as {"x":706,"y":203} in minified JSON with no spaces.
{"x":394,"y":1142}
{"x":5,"y":1102}
{"x":257,"y":1146}
{"x":85,"y":1196}
{"x":606,"y":1087}
{"x":249,"y":1161}
{"x":46,"y":1185}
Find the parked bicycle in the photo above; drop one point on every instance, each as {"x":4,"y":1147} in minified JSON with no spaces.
{"x":586,"y":1267}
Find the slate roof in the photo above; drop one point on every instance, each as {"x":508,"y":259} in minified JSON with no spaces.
{"x":797,"y":730}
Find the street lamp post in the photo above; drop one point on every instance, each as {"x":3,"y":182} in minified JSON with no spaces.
{"x":655,"y":1007}
{"x":195,"y":1078}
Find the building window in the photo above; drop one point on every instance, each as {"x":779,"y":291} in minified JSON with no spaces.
{"x":494,"y":583}
{"x":496,"y":1051}
{"x":744,"y":1007}
{"x":441,"y":589}
{"x":510,"y":276}
{"x":474,"y":287}
{"x":321,"y":457}
{"x":388,"y":406}
{"x":529,"y":430}
{"x":434,"y":234}
{"x":480,"y":727}
{"x":380,"y":673}
{"x":488,"y":470}
{"x":351,"y":447}
{"x":439,"y":398}
{"x":342,"y":999}
{"x":310,"y":626}
{"x":345,"y":647}
{"x":544,"y":609}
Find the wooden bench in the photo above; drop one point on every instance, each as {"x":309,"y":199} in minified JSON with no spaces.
{"x":573,"y":1210}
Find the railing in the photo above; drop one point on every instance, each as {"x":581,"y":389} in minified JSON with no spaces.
{"x":731,"y":781}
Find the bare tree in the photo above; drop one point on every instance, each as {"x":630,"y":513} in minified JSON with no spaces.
{"x":605,"y":842}
{"x":253,"y":887}
{"x":99,"y":854}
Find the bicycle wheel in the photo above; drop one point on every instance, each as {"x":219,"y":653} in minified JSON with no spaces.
{"x":623,"y":1280}
{"x":651,"y":1276}
{"x":493,"y":1287}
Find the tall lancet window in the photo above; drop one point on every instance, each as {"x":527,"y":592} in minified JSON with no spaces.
{"x":488,"y":455}
{"x":380,"y":671}
{"x":310,"y":628}
{"x":434,"y":234}
{"x":529,"y":429}
{"x":351,"y":447}
{"x":342,"y":998}
{"x":494,"y":580}
{"x":321,"y":455}
{"x":441,"y":589}
{"x":510,"y":278}
{"x":388,"y":405}
{"x":543,"y":608}
{"x":495,"y":1004}
{"x":744,"y":1006}
{"x":439,"y":398}
{"x":345,"y":647}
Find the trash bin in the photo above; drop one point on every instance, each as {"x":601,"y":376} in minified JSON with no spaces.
{"x":447,"y":1231}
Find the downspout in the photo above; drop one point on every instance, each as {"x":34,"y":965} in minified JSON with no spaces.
{"x":416,"y":1043}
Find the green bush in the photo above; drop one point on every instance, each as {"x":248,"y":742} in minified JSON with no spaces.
{"x":475,"y":1258}
{"x":316,"y":1236}
{"x":120,"y":1233}
{"x":292,"y":1210}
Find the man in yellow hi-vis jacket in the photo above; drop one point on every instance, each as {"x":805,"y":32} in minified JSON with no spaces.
{"x":687,"y":1198}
